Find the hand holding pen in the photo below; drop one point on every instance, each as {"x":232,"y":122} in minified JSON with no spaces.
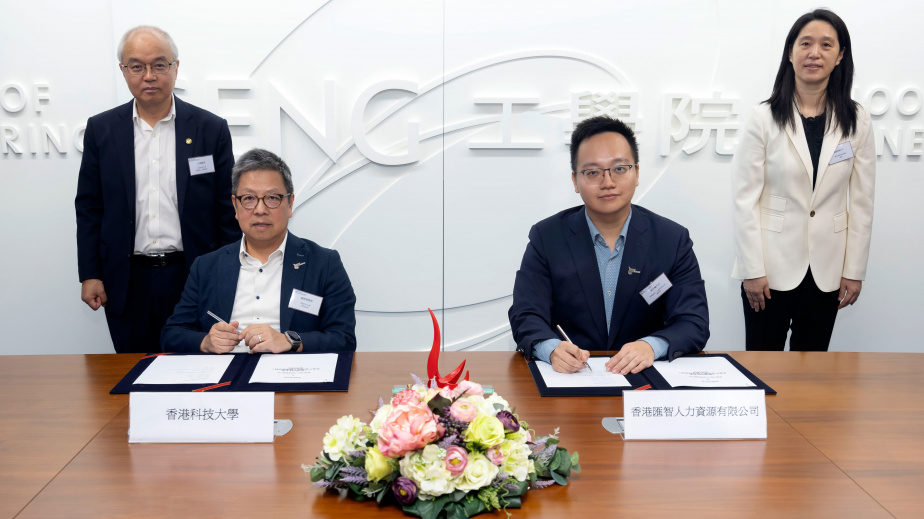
{"x":575,"y":352}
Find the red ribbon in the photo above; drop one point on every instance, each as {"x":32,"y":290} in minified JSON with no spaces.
{"x":433,"y":371}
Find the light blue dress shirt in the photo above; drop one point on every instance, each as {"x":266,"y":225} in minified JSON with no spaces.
{"x":608,"y":262}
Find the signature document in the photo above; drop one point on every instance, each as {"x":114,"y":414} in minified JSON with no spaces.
{"x":299,"y":369}
{"x":696,"y":371}
{"x":584,"y":378}
{"x":185,"y":369}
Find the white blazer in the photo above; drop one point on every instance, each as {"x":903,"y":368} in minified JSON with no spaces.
{"x":782,"y":227}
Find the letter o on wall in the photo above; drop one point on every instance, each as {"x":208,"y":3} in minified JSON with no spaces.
{"x":914,"y":108}
{"x":4,"y":101}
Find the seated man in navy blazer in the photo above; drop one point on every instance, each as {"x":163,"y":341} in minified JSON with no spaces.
{"x":272,"y":291}
{"x":596,"y":270}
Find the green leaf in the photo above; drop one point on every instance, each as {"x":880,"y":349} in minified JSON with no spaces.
{"x":556,"y":460}
{"x":565,"y":467}
{"x":381,"y":495}
{"x":561,"y":480}
{"x":455,"y":511}
{"x":437,"y":403}
{"x":317,"y":473}
{"x":473,"y":506}
{"x":499,"y":407}
{"x":514,"y":502}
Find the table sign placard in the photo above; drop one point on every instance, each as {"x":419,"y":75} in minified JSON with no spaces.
{"x":239,"y":417}
{"x":715,"y":414}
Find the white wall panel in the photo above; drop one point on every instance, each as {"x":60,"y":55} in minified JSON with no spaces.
{"x":447,"y":228}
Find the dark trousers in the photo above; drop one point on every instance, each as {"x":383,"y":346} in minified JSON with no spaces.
{"x":153,"y":293}
{"x":808,"y":311}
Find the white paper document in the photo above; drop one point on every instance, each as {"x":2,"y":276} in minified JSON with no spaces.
{"x":186,"y":369}
{"x":584,"y":378}
{"x":280,"y":369}
{"x":697,"y":371}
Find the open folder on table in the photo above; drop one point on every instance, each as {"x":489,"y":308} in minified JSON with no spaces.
{"x":704,"y":371}
{"x":289,"y":372}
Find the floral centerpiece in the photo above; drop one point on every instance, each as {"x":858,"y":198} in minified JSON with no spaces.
{"x":441,"y":452}
{"x":441,"y":449}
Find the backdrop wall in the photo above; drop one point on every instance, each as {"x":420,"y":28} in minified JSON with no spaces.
{"x":426,"y":137}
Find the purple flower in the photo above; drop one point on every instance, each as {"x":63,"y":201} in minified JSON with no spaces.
{"x":509,"y":421}
{"x":405,"y":490}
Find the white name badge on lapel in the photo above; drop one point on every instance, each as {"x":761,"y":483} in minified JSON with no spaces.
{"x":305,"y":302}
{"x":695,"y":415}
{"x":229,"y":417}
{"x":656,"y":289}
{"x":200,"y":165}
{"x":842,"y":153}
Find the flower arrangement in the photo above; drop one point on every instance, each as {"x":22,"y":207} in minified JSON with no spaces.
{"x":445,"y":451}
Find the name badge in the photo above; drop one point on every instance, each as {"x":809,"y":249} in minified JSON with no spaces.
{"x":305,"y":302}
{"x":200,"y":165}
{"x":656,"y":289}
{"x":695,"y":415}
{"x":842,"y":153}
{"x":231,"y":417}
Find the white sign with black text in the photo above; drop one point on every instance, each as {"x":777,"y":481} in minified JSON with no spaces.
{"x":226,"y":417}
{"x":712,"y":414}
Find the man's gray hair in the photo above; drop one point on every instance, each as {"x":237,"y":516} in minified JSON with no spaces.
{"x":256,"y":160}
{"x":151,"y":29}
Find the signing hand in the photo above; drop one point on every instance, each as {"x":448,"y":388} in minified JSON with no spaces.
{"x":222,"y":338}
{"x":568,"y":358}
{"x":631,"y":358}
{"x":263,"y":338}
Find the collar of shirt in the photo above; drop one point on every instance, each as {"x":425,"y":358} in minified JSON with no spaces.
{"x":276,"y":256}
{"x":598,"y":238}
{"x":170,"y":116}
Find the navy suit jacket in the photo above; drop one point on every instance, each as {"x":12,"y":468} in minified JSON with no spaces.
{"x":559,"y":284}
{"x":105,"y":200}
{"x":212,"y":284}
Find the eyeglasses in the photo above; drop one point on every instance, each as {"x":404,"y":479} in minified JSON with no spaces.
{"x":271,"y":200}
{"x":616,"y":173}
{"x":138,"y":68}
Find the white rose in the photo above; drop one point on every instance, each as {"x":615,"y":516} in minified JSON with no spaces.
{"x":426,"y":468}
{"x":380,"y":417}
{"x":516,"y":459}
{"x":479,"y":472}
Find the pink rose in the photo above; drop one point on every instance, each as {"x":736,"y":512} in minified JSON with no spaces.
{"x":494,"y":454}
{"x":407,"y":428}
{"x":473,"y":388}
{"x":446,"y":393}
{"x":463,"y":410}
{"x":407,"y":396}
{"x":456,"y":460}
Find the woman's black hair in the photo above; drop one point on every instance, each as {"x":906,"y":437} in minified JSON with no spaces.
{"x":838,"y":101}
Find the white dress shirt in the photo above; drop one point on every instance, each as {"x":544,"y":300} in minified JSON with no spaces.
{"x":157,"y":217}
{"x":259,"y":288}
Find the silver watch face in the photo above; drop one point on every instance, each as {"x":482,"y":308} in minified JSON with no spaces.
{"x":293,"y":337}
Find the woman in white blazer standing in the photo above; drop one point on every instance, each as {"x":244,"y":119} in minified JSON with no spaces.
{"x":803,"y":184}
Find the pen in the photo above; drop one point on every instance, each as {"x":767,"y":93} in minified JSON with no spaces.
{"x":565,"y":335}
{"x":219,"y":319}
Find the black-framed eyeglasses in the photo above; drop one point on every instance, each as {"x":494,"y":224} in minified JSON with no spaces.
{"x":271,"y":200}
{"x":616,"y":172}
{"x":136,"y":68}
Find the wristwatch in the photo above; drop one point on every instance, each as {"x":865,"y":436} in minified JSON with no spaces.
{"x":294,"y":340}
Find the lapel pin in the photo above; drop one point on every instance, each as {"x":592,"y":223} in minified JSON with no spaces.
{"x":188,"y":141}
{"x":633,"y":271}
{"x":296,"y":265}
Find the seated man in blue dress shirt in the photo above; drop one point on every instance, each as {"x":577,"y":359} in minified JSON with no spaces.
{"x":272,"y":291}
{"x":596,"y":269}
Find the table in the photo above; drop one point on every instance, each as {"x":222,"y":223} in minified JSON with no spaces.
{"x":844,"y":440}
